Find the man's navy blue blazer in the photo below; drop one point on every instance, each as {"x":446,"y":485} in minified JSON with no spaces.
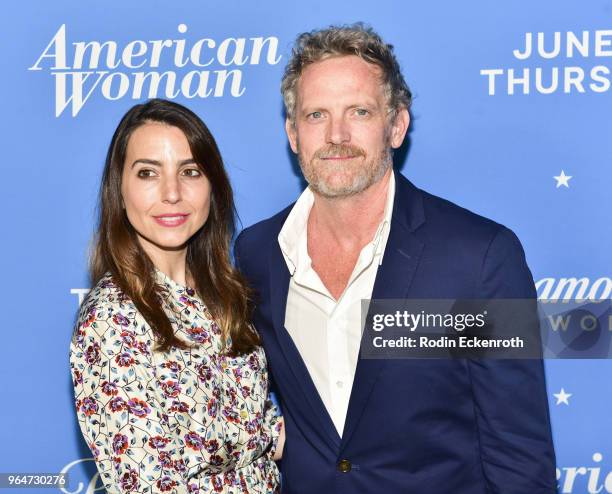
{"x":445,"y":426}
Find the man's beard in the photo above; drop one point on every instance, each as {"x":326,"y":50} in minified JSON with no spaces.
{"x":362,"y":172}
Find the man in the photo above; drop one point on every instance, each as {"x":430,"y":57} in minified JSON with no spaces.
{"x":359,"y":231}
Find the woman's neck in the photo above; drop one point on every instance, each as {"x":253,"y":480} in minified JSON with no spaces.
{"x":173,"y":263}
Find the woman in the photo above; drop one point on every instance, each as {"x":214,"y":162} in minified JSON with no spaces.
{"x":170,"y":383}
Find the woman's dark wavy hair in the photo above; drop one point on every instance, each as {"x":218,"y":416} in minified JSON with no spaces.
{"x":117,"y":249}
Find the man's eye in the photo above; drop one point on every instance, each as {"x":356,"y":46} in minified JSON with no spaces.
{"x":146,"y":173}
{"x":362,"y":112}
{"x":192,"y":172}
{"x":315,"y":115}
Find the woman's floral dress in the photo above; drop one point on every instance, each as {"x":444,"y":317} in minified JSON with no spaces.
{"x":181,"y":421}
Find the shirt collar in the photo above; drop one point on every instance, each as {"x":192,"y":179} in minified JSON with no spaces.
{"x":294,"y":228}
{"x":382,"y":233}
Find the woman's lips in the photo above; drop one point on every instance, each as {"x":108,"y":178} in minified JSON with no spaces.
{"x":171,"y":220}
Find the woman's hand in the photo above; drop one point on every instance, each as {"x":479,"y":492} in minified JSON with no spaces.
{"x":278,"y":453}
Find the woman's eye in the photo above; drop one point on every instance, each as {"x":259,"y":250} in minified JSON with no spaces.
{"x":192,"y":172}
{"x":145,"y":173}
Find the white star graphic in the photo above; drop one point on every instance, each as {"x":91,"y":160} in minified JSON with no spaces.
{"x":562,"y":397}
{"x":562,"y":179}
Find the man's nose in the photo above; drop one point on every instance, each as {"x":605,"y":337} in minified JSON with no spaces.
{"x":338,"y":131}
{"x":171,"y":190}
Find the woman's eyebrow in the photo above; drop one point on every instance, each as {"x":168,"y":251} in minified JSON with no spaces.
{"x":147,"y":161}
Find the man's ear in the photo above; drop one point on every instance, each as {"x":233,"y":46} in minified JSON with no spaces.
{"x":399,"y":127}
{"x":291,"y":134}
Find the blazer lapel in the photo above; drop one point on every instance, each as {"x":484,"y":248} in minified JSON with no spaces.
{"x":279,"y":289}
{"x":393,"y":279}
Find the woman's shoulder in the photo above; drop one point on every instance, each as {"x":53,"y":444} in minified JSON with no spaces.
{"x":109,"y":318}
{"x":106,"y":292}
{"x":107,"y":304}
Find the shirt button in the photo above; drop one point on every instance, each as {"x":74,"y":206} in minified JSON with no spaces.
{"x":344,"y":466}
{"x":339,"y":384}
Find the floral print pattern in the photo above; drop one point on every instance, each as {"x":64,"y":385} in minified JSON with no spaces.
{"x":182,"y":421}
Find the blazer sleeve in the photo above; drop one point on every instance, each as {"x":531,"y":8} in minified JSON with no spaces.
{"x":510,"y":396}
{"x":273,"y":420}
{"x":238,"y":253}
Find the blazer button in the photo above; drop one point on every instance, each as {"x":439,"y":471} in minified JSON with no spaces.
{"x":344,"y":466}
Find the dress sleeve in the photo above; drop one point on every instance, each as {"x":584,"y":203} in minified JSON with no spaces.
{"x":117,"y":406}
{"x":273,"y":422}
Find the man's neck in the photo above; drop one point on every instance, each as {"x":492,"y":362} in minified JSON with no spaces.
{"x":350,"y":221}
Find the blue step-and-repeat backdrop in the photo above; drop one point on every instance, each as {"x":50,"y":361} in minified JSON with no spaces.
{"x":512,"y":118}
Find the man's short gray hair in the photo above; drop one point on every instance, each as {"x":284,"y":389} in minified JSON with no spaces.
{"x":355,"y":39}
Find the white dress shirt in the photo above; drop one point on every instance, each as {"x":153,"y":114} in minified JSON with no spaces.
{"x":327,"y":332}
